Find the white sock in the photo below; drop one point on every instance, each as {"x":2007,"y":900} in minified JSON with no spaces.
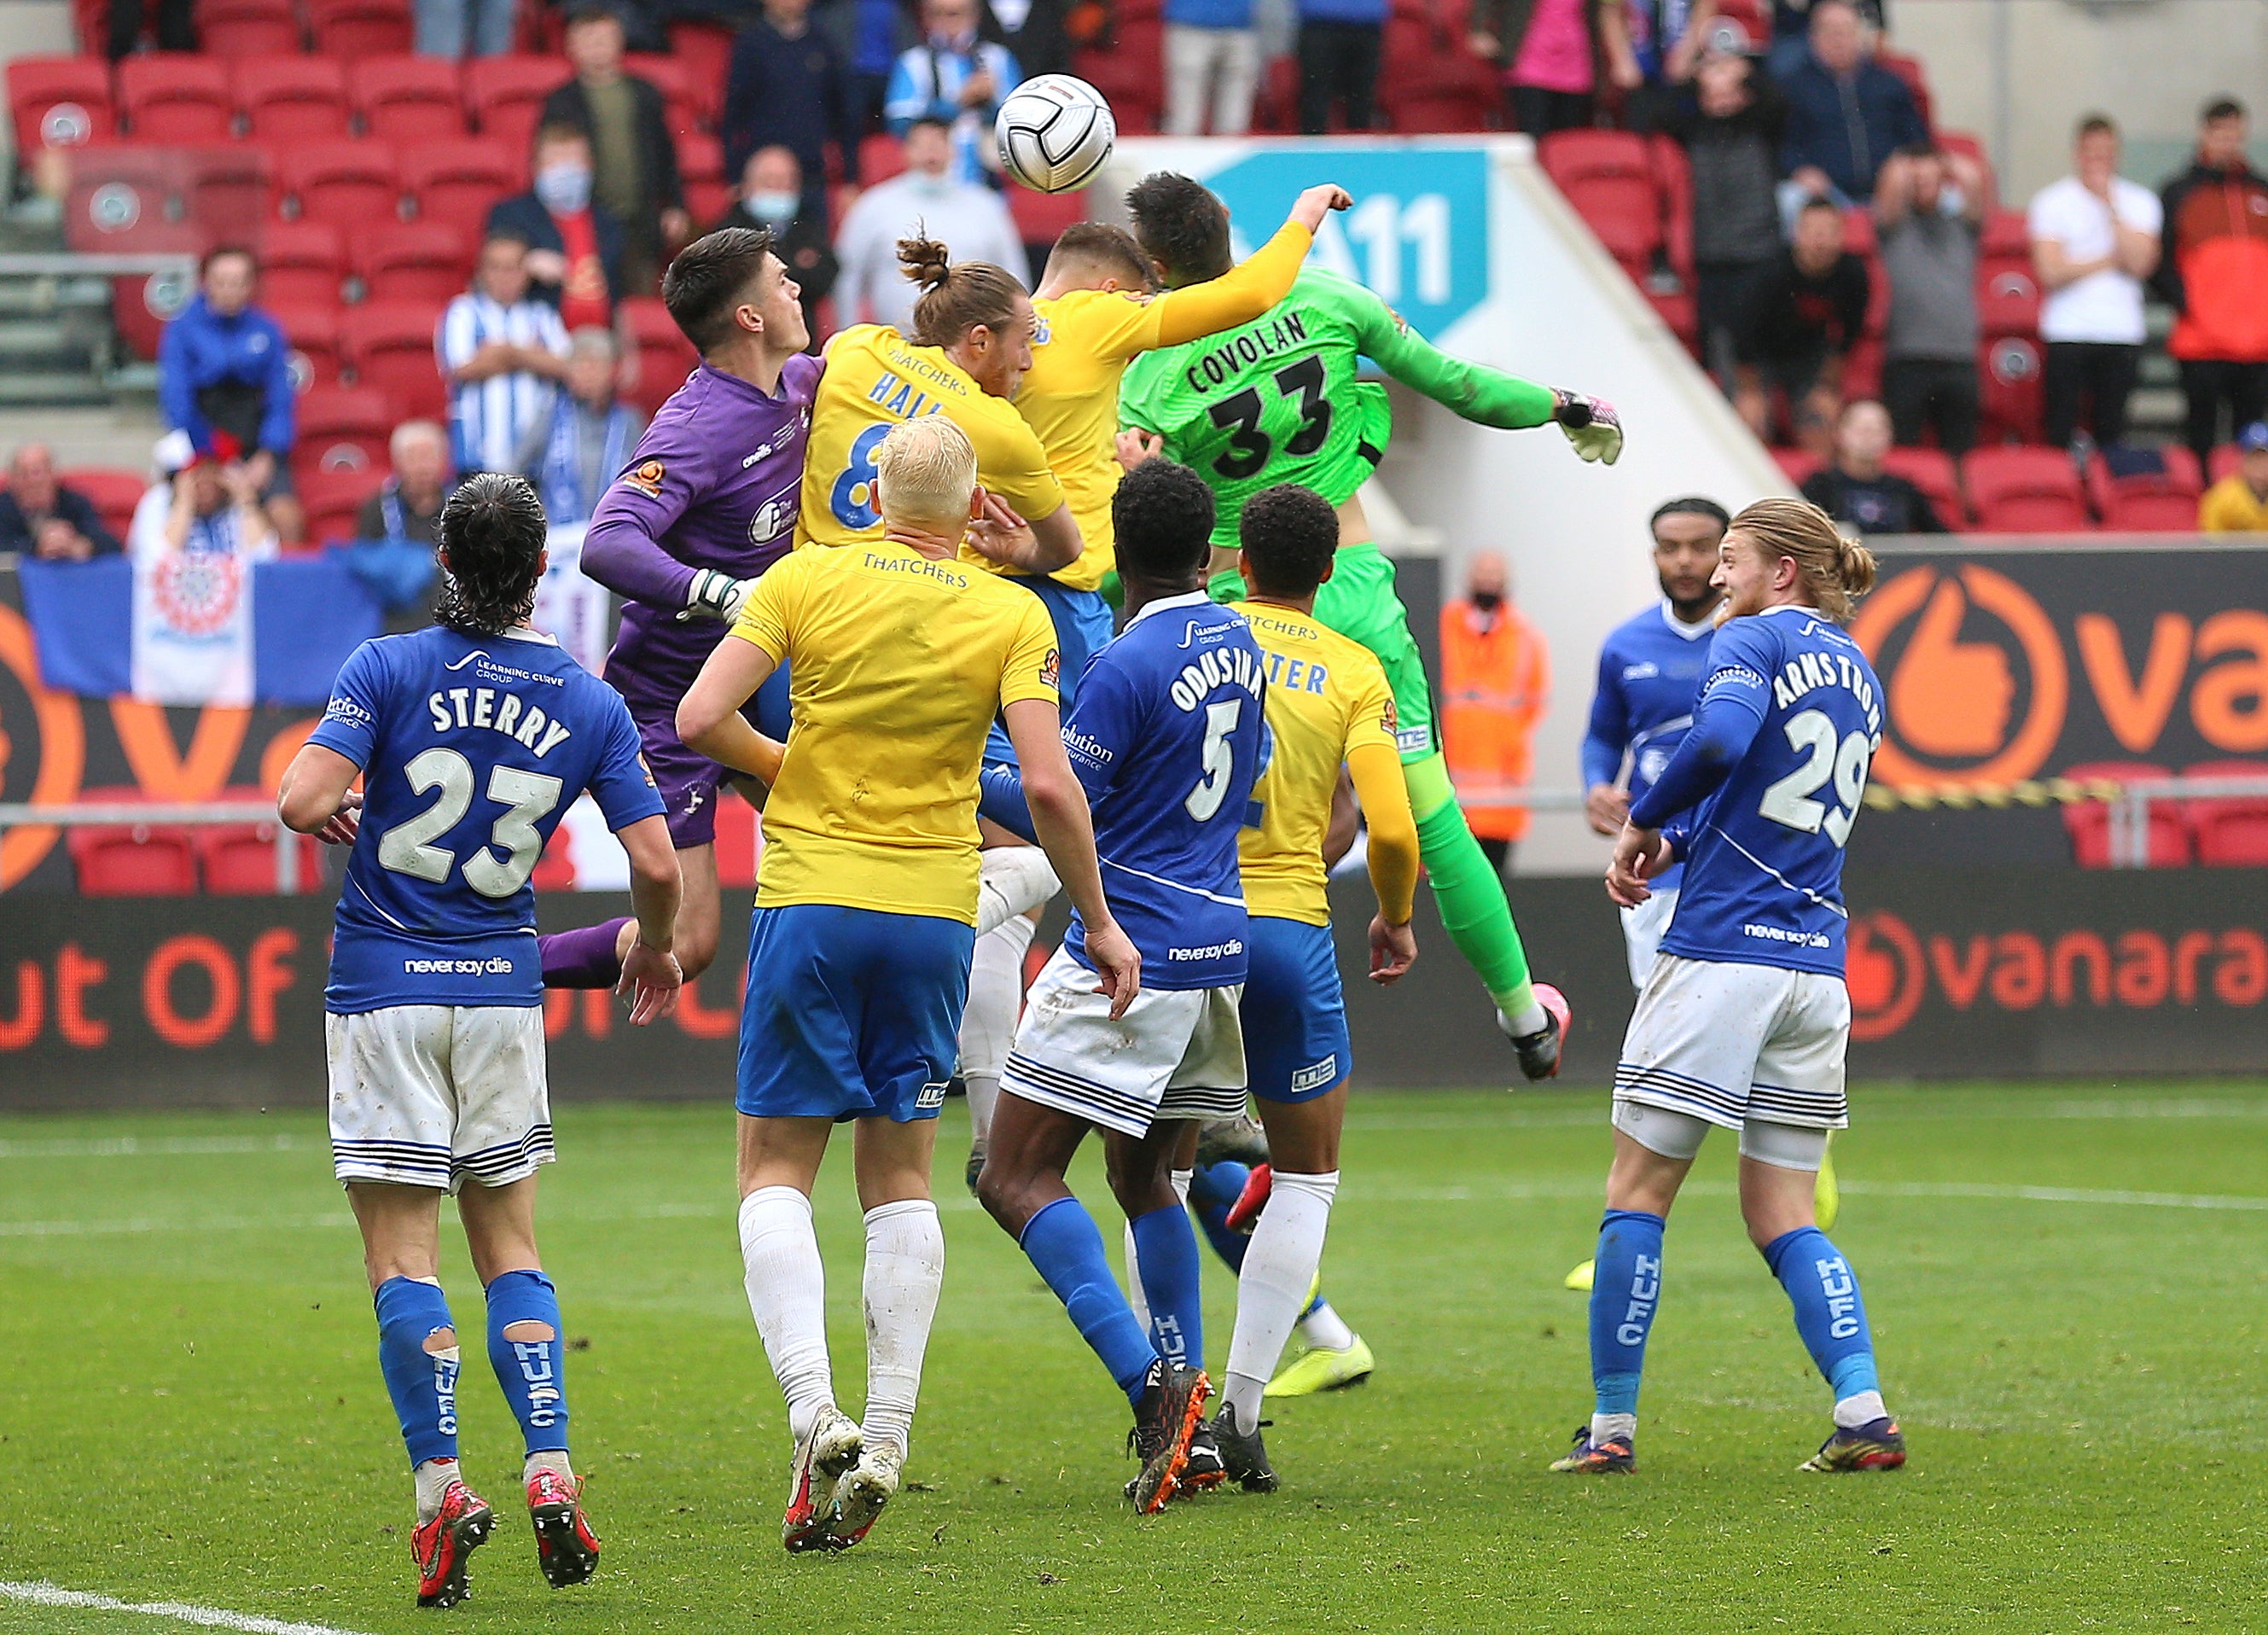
{"x":1015,"y":880}
{"x":1534,"y":1020}
{"x":1325,"y":1330}
{"x":1862,"y":1407}
{"x":552,"y":1459}
{"x":787,"y":1294}
{"x":905,"y":1267}
{"x":1613,"y":1427}
{"x":433,"y":1478}
{"x":1279,"y":1269}
{"x":988,"y":1023}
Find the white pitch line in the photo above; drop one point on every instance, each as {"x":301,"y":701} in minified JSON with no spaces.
{"x":46,"y":1595}
{"x":159,"y":1146}
{"x":2050,"y":1195}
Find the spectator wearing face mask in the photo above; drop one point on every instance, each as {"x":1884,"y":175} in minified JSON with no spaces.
{"x":927,"y":200}
{"x":954,"y":78}
{"x":575,"y":246}
{"x":772,"y":199}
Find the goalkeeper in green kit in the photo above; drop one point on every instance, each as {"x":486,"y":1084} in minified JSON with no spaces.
{"x":1276,"y":400}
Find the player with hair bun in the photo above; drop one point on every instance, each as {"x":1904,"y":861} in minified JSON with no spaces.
{"x":1744,"y":1021}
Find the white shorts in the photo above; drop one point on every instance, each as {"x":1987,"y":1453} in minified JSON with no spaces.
{"x":435,"y":1095}
{"x":1643,"y":930}
{"x":1729,"y":1042}
{"x":1177,"y":1053}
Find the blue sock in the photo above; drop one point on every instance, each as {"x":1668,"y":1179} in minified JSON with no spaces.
{"x":423,"y":1385}
{"x":1213,"y":1189}
{"x":1829,"y":1313}
{"x":1626,"y":1294}
{"x":1166,"y":1249}
{"x":1065,"y":1247}
{"x":532,"y":1372}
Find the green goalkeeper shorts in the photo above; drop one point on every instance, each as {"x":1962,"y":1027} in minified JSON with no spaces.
{"x":1359,"y":602}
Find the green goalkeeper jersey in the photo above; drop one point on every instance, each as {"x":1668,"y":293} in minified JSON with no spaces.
{"x":1276,"y":400}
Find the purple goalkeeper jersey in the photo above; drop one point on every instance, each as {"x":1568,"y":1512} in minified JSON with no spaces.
{"x":714,"y":484}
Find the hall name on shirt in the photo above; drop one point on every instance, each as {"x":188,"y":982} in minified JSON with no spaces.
{"x":1219,"y":366}
{"x":1807,"y":672}
{"x":944,"y":572}
{"x":500,"y":712}
{"x":1229,"y":667}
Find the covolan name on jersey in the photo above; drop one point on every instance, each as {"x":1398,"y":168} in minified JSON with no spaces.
{"x":1219,"y":366}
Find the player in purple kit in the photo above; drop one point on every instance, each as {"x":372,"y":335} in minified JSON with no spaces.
{"x":707,"y":503}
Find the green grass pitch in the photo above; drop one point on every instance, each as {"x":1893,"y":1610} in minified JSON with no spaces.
{"x":2065,"y":1285}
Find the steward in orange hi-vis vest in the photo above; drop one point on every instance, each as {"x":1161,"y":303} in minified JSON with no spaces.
{"x":1496,"y":677}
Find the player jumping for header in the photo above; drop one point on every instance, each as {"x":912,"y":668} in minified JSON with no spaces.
{"x":1278,"y":400}
{"x":473,"y":739}
{"x":707,"y":503}
{"x":1744,"y":1021}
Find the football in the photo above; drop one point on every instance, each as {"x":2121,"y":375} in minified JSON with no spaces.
{"x":1055,"y":132}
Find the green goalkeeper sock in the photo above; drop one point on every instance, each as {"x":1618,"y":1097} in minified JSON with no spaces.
{"x":1471,"y":897}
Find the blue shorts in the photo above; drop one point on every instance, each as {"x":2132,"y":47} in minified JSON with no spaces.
{"x":850,"y":1013}
{"x":1295,"y":1031}
{"x":1083,"y":622}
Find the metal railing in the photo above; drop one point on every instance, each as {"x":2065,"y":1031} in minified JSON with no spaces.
{"x":164,"y":814}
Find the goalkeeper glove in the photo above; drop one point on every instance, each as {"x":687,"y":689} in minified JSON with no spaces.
{"x":716,"y":595}
{"x":1591,"y":426}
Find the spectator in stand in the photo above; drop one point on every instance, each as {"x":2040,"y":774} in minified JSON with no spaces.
{"x":1547,"y":52}
{"x":2095,"y":239}
{"x":1495,"y":679}
{"x":954,"y":77}
{"x":1212,"y":63}
{"x":503,"y":353}
{"x":397,"y":527}
{"x":455,"y":28}
{"x":1340,"y":44}
{"x":573,"y":452}
{"x":575,"y":246}
{"x":1855,"y":487}
{"x":772,"y":199}
{"x":625,"y":121}
{"x":177,"y":29}
{"x":205,"y":501}
{"x":1929,"y":207}
{"x":1731,"y":129}
{"x":1660,"y":49}
{"x":1804,"y":316}
{"x":970,"y":221}
{"x":869,"y":35}
{"x":41,"y":517}
{"x":224,"y":366}
{"x":789,"y":87}
{"x":2214,"y":274}
{"x":2238,"y":503}
{"x":1846,"y":112}
{"x":1791,"y":33}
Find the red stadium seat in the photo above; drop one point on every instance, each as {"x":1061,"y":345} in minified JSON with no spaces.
{"x":1276,"y":106}
{"x":2007,"y":302}
{"x":737,"y":847}
{"x":113,"y":492}
{"x":505,"y":95}
{"x":2232,"y":831}
{"x":238,"y":859}
{"x":313,"y":332}
{"x":1678,"y":310}
{"x":1972,"y":148}
{"x":407,"y":100}
{"x":880,"y":157}
{"x":293,"y":97}
{"x":1742,"y":27}
{"x":688,"y":103}
{"x":1795,"y":464}
{"x":342,"y":428}
{"x":1673,"y":174}
{"x":457,"y":181}
{"x":424,"y":261}
{"x":142,"y":304}
{"x":1932,"y":471}
{"x":136,"y":861}
{"x":2008,"y":388}
{"x":1130,"y":74}
{"x":701,"y":166}
{"x":354,"y":28}
{"x":59,"y":102}
{"x":389,"y":345}
{"x":1862,"y":369}
{"x":1911,"y":70}
{"x":2007,"y":236}
{"x":2026,"y":491}
{"x":2145,"y":490}
{"x":706,"y":49}
{"x":2225,"y":461}
{"x":1041,"y":218}
{"x":347,"y":182}
{"x":1430,"y":81}
{"x":238,"y":28}
{"x":171,"y":97}
{"x":301,"y":263}
{"x":331,"y":498}
{"x":1608,"y":177}
{"x":2088,"y":822}
{"x":664,"y":355}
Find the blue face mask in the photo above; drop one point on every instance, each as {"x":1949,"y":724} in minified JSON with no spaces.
{"x":564,"y":188}
{"x":776,"y":208}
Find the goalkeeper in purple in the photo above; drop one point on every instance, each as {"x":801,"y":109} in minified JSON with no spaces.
{"x":707,"y":503}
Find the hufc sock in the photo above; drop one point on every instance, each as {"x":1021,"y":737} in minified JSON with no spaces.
{"x":1626,"y":1294}
{"x":787,"y":1295}
{"x":422,"y":1380}
{"x":527,"y":1353}
{"x":905,"y":1268}
{"x":1166,"y":1258}
{"x":1830,"y":1316}
{"x":1066,"y":1249}
{"x":584,"y":957}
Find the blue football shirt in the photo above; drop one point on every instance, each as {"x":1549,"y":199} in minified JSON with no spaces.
{"x":472,"y":749}
{"x":1650,"y":673}
{"x":1166,"y":737}
{"x":1788,"y":722}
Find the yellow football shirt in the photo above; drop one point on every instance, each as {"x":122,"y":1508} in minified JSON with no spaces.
{"x":876,"y":378}
{"x":2230,"y":506}
{"x":897,"y":666}
{"x":1327,"y":697}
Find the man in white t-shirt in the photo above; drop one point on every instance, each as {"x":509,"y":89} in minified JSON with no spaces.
{"x":2095,"y":239}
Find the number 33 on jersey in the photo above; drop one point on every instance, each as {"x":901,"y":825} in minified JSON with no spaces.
{"x":472,"y":749}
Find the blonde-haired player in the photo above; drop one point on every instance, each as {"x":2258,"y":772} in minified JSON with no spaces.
{"x":899,"y":657}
